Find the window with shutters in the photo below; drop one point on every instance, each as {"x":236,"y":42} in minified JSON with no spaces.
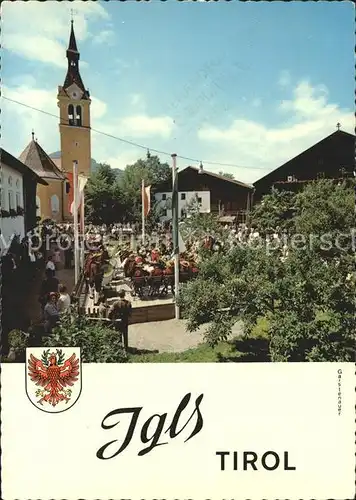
{"x":18,"y":200}
{"x":11,"y":200}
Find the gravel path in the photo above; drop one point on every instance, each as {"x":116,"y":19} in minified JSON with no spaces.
{"x":168,"y":336}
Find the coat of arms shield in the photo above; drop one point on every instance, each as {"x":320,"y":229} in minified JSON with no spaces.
{"x":53,"y":377}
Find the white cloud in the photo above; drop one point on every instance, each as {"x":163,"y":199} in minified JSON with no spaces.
{"x":284,"y":78}
{"x":98,"y":108}
{"x":39,"y":31}
{"x":106,"y":37}
{"x":122,"y":158}
{"x":145,"y":126}
{"x":306,"y":119}
{"x":23,"y":120}
{"x":308,"y":101}
{"x":51,"y":50}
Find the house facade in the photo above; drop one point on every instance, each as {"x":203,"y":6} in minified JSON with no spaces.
{"x":18,"y":199}
{"x":214,"y":193}
{"x":187,"y":200}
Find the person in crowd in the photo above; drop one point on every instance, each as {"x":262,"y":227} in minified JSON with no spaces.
{"x":33,"y":263}
{"x":51,"y":313}
{"x":63,"y":303}
{"x":68,"y":257}
{"x":50,"y":264}
{"x":103,"y":306}
{"x":154,"y":253}
{"x":49,"y":285}
{"x":122,"y":309}
{"x":57,"y":258}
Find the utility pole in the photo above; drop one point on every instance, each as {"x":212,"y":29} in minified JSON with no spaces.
{"x":143,"y":211}
{"x":175,"y":232}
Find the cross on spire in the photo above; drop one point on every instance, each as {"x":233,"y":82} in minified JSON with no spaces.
{"x":338,"y":126}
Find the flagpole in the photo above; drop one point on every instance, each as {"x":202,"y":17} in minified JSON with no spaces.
{"x":143,"y":210}
{"x":175,"y":233}
{"x":82,"y":230}
{"x":75,"y":221}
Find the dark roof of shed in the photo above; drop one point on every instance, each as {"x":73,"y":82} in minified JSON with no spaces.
{"x":38,"y":160}
{"x":337,"y":133}
{"x":218,"y":176}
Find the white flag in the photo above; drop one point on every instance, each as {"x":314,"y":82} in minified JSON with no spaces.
{"x":82,"y":180}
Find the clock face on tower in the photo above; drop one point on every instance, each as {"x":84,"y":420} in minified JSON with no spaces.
{"x":74,"y":92}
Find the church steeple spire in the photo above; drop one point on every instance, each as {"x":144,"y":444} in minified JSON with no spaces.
{"x":73,"y":56}
{"x":72,"y":47}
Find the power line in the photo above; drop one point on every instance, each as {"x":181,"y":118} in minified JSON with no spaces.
{"x":135,"y":144}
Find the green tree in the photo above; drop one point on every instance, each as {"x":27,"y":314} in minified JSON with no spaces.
{"x":275,"y":210}
{"x":324,"y":206}
{"x":105,"y":201}
{"x":152,"y":171}
{"x":307,"y":300}
{"x":198,"y":225}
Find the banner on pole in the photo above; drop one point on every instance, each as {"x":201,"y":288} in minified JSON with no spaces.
{"x":82,"y":180}
{"x":146,"y":199}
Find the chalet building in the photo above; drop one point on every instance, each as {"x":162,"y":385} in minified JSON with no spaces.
{"x":331,"y":158}
{"x":50,"y":194}
{"x":18,"y":198}
{"x":228,"y":198}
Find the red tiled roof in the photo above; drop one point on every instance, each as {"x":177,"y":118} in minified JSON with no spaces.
{"x":38,"y":160}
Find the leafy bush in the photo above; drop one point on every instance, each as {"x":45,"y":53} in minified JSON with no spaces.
{"x":18,"y":340}
{"x":307,"y":299}
{"x":98,"y":342}
{"x":274,"y":211}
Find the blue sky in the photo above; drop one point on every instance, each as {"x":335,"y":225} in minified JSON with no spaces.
{"x":249,"y":84}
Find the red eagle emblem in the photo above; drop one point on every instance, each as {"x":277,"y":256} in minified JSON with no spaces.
{"x":54,"y":374}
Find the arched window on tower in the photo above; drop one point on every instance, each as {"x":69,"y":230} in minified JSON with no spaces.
{"x":78,"y":116}
{"x":71,"y":114}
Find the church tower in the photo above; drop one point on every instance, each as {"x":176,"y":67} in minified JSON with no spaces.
{"x":74,"y":127}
